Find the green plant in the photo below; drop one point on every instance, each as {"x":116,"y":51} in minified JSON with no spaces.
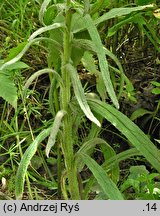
{"x":70,"y":36}
{"x":142,"y":184}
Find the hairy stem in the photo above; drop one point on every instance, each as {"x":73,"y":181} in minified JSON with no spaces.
{"x":67,"y":143}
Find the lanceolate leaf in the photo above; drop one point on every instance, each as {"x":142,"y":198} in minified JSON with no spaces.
{"x":54,"y":130}
{"x":87,"y":148}
{"x":102,"y":58}
{"x":43,"y":9}
{"x":134,"y":134}
{"x":39,"y":73}
{"x":107,"y":150}
{"x":139,"y":113}
{"x":108,"y":186}
{"x":44,"y":29}
{"x":110,"y":163}
{"x":117,"y":12}
{"x":113,"y":13}
{"x":79,"y":94}
{"x":8,"y":90}
{"x":24,"y":50}
{"x":20,"y":177}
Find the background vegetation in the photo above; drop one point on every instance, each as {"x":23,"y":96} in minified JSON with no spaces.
{"x":79,"y":99}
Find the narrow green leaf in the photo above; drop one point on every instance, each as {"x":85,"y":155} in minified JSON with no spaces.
{"x":86,"y":6}
{"x":108,"y":186}
{"x":44,"y":29}
{"x":102,"y":58}
{"x":54,"y":131}
{"x":139,"y":113}
{"x":8,"y":90}
{"x":117,"y":12}
{"x":13,"y":52}
{"x":89,"y":45}
{"x":79,"y":94}
{"x":113,"y":13}
{"x":24,"y":50}
{"x":109,"y":164}
{"x":87,"y":148}
{"x":22,"y":169}
{"x":17,"y":65}
{"x":43,"y":9}
{"x":134,"y":134}
{"x":39,"y":73}
{"x":107,"y":150}
{"x":89,"y":145}
{"x":108,"y":153}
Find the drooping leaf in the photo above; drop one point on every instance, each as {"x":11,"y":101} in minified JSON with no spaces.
{"x":79,"y":94}
{"x":113,"y":13}
{"x":26,"y":159}
{"x":134,"y":134}
{"x":43,"y":9}
{"x":7,"y":64}
{"x":108,"y":186}
{"x":8,"y":90}
{"x":102,"y":58}
{"x":54,"y":130}
{"x":107,"y":150}
{"x":15,"y":50}
{"x":39,"y":73}
{"x":109,"y":164}
{"x":44,"y":29}
{"x":117,"y":12}
{"x":87,"y":148}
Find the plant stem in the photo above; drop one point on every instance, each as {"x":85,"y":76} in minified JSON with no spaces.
{"x":67,"y":142}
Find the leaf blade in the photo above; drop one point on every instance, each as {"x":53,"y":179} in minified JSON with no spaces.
{"x":8,"y":90}
{"x":108,"y":186}
{"x":134,"y":134}
{"x":79,"y":94}
{"x":54,"y":130}
{"x":102,"y":58}
{"x":22,"y":169}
